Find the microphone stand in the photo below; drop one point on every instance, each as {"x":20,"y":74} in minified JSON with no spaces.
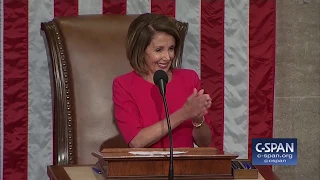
{"x":171,"y":170}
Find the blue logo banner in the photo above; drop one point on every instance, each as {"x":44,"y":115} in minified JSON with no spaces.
{"x":274,"y":151}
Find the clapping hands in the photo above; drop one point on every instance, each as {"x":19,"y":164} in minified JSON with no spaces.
{"x":197,"y":104}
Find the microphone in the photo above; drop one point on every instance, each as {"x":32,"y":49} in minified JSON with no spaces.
{"x":160,"y":78}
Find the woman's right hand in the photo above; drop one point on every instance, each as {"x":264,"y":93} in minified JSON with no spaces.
{"x":197,"y":104}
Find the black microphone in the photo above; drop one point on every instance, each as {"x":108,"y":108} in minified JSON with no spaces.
{"x":160,"y":78}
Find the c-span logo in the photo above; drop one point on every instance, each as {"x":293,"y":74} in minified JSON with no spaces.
{"x":274,"y":151}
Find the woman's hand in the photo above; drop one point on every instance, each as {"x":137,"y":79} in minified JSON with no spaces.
{"x":197,"y":104}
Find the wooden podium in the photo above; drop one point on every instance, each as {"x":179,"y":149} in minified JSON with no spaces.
{"x":189,"y":163}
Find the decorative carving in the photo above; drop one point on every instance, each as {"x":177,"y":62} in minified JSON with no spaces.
{"x":183,"y":30}
{"x":63,"y":119}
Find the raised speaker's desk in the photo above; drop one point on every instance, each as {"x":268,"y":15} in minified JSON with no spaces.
{"x":85,"y":172}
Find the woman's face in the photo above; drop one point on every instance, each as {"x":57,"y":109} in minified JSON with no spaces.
{"x":160,"y":52}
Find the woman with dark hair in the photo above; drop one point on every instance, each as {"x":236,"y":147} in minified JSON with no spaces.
{"x":153,"y":43}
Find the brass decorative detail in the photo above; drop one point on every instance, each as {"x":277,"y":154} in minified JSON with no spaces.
{"x":62,"y":112}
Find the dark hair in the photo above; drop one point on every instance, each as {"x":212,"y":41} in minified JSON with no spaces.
{"x":140,"y":33}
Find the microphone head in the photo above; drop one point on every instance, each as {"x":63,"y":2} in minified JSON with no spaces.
{"x":158,"y":75}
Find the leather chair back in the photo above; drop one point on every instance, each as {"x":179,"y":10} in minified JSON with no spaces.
{"x":86,"y":53}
